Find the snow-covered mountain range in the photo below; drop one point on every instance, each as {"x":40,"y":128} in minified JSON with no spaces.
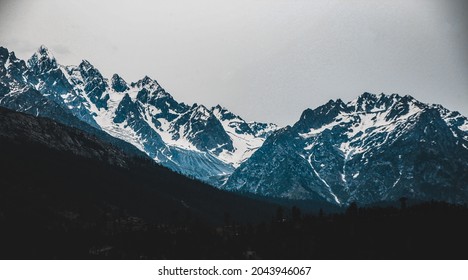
{"x":206,"y":143}
{"x":371,"y":149}
{"x":374,"y":148}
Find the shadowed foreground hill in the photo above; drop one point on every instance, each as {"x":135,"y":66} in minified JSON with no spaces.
{"x":56,"y":179}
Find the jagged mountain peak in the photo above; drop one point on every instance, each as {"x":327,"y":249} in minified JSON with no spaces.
{"x":13,"y":56}
{"x":372,"y":97}
{"x":4,"y":55}
{"x":3,"y":50}
{"x":86,"y":65}
{"x":367,"y":95}
{"x":239,"y":126}
{"x":127,"y":98}
{"x":366,"y":102}
{"x":453,"y":118}
{"x":388,"y":106}
{"x":315,"y":118}
{"x":218,"y":107}
{"x":201,"y":112}
{"x":146,"y":82}
{"x":116,"y":77}
{"x":118,"y":84}
{"x":222,"y":113}
{"x":89,"y":72}
{"x":9,"y":58}
{"x":218,"y":110}
{"x":42,"y":60}
{"x":371,"y":103}
{"x":43,"y":51}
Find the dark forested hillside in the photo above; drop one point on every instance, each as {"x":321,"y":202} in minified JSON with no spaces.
{"x":58,"y":183}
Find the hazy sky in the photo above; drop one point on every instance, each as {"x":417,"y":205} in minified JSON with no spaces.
{"x":264,"y":60}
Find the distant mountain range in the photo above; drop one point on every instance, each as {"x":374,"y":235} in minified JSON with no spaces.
{"x":372,"y":149}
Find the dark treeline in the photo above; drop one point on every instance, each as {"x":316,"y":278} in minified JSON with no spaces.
{"x":432,"y":230}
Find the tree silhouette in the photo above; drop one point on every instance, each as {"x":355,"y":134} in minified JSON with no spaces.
{"x":352,"y":209}
{"x":403,"y":203}
{"x":279,"y":214}
{"x":296,"y":213}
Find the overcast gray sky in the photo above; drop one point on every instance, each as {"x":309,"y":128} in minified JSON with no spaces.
{"x":264,"y":60}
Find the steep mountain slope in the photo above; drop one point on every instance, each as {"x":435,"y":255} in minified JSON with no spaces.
{"x":371,"y":149}
{"x":206,"y":143}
